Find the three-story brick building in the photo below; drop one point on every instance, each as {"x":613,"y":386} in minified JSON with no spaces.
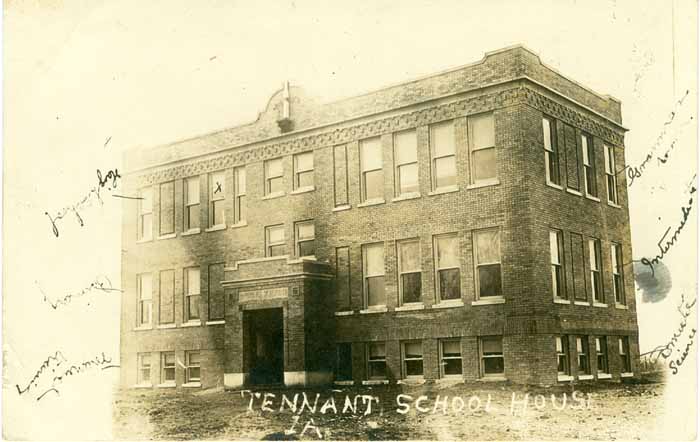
{"x":472,"y":224}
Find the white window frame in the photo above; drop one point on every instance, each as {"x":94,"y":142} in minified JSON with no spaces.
{"x":601,"y":349}
{"x":192,"y":294}
{"x":551,"y":151}
{"x":172,"y":367}
{"x":405,"y":359}
{"x":434,"y":158}
{"x":398,"y":188}
{"x":582,"y":350}
{"x":144,"y":302}
{"x":443,"y":358}
{"x":400,"y":271}
{"x":589,"y":165}
{"x":562,"y":348}
{"x":366,"y":276}
{"x":472,"y":164}
{"x":618,"y":280}
{"x":557,"y":264}
{"x":364,"y":170}
{"x":217,"y":198}
{"x":239,"y":194}
{"x":483,"y":357}
{"x":298,"y":240}
{"x":268,"y":242}
{"x":191,"y":203}
{"x":477,"y":264}
{"x":189,"y":366}
{"x":438,"y":269}
{"x":269,"y":178}
{"x":143,"y":233}
{"x":611,"y":176}
{"x":140,"y":378}
{"x":596,"y":277}
{"x":298,"y":171}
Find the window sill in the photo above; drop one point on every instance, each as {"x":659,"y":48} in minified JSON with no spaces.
{"x":561,"y":301}
{"x":489,"y":301}
{"x":621,"y":306}
{"x":143,"y":327}
{"x":406,"y":196}
{"x":166,"y":385}
{"x":143,"y":240}
{"x":448,"y":304}
{"x":302,"y":190}
{"x":238,"y":225}
{"x":564,"y":378}
{"x":374,"y":310}
{"x":273,"y":196}
{"x":574,"y":192}
{"x":450,"y":380}
{"x":593,"y":198}
{"x":344,"y":382}
{"x":495,"y":378}
{"x":599,"y":304}
{"x":144,"y":385}
{"x":345,"y":313}
{"x":376,"y":382}
{"x":411,"y":381}
{"x":586,"y":303}
{"x":585,"y":377}
{"x":192,"y":385}
{"x":617,"y":206}
{"x":216,"y":228}
{"x":192,"y":324}
{"x":441,"y":190}
{"x":167,"y":236}
{"x":167,"y":326}
{"x":485,"y":183}
{"x":216,"y":322}
{"x":626,"y":375}
{"x":374,"y":202}
{"x":554,"y":186}
{"x":604,"y":376}
{"x":341,"y":208}
{"x":190,"y":232}
{"x":409,"y":307}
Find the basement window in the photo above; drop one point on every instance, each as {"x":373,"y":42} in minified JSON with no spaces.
{"x":412,"y":354}
{"x":492,"y":356}
{"x":376,"y":361}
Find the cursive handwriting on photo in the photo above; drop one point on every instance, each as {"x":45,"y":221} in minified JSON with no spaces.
{"x":101,"y":284}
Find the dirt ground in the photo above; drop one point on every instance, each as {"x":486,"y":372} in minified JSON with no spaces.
{"x":471,"y":411}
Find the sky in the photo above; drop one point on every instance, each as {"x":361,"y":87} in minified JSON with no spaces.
{"x":85,"y":80}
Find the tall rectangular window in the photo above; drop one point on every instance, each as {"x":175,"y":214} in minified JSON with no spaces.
{"x":618,"y":280}
{"x":447,"y":266}
{"x":145,"y":298}
{"x":340,"y":175}
{"x":582,"y":350}
{"x":551,"y":150}
{"x":239,"y":192}
{"x":376,"y":360}
{"x":373,"y":271}
{"x":624,"y":350}
{"x":443,"y":155}
{"x":450,"y":358}
{"x":342,"y":278}
{"x":372,"y":175}
{"x":601,"y":351}
{"x":409,"y":271}
{"x":589,"y":176}
{"x":145,"y":210}
{"x":274,"y":241}
{"x":491,"y":348}
{"x":144,"y":373}
{"x":610,"y":174}
{"x":192,"y":367}
{"x":304,"y":170}
{"x":167,"y":375}
{"x":562,"y":344}
{"x":192,"y":283}
{"x":191,"y":192}
{"x":166,"y":310}
{"x":482,"y":149}
{"x":167,"y":208}
{"x":487,"y":259}
{"x":412,"y":357}
{"x":217,"y":198}
{"x":594,"y":265}
{"x":343,"y":365}
{"x":274,"y":176}
{"x":556,"y":253}
{"x":406,"y":163}
{"x":305,"y":238}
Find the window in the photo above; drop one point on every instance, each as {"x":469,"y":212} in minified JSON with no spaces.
{"x":343,"y":369}
{"x":409,"y":271}
{"x":304,"y":170}
{"x":145,"y":220}
{"x":192,"y":203}
{"x":601,"y":351}
{"x":192,"y":369}
{"x":450,"y":358}
{"x":556,"y":253}
{"x":192,"y":294}
{"x":610,"y":174}
{"x":274,"y":240}
{"x":373,"y":270}
{"x":594,"y":262}
{"x":589,"y":176}
{"x":406,"y":162}
{"x":239,"y":203}
{"x":447,"y":268}
{"x":491,"y":356}
{"x":582,"y":350}
{"x":412,"y":355}
{"x":625,"y":361}
{"x":167,"y":208}
{"x":342,"y":278}
{"x":274,"y":176}
{"x":487,"y":252}
{"x":217,"y":198}
{"x":376,"y":360}
{"x":145,"y":305}
{"x":167,"y":375}
{"x":144,"y":373}
{"x":443,"y":155}
{"x":551,"y":151}
{"x":562,"y":343}
{"x":482,"y":147}
{"x":372,"y":178}
{"x":618,"y":281}
{"x":305,"y":235}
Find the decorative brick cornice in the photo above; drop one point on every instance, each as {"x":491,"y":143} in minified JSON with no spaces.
{"x":335,"y":136}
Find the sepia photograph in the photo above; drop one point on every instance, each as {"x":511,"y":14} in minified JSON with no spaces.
{"x":373,"y":220}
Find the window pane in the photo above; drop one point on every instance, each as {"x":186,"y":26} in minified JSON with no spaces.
{"x":377,"y":351}
{"x":484,"y":164}
{"x":304,"y":161}
{"x":305,"y":231}
{"x":193,"y":358}
{"x":275,"y":234}
{"x":482,"y":131}
{"x":377,"y":370}
{"x":375,"y":288}
{"x":547,"y":134}
{"x":451,"y":349}
{"x":492,"y":346}
{"x":413,"y":350}
{"x":414,"y":368}
{"x":449,"y":284}
{"x":146,"y":226}
{"x":307,"y":248}
{"x":408,"y":178}
{"x":193,"y":190}
{"x":452,"y":367}
{"x":193,"y":280}
{"x":305,"y":179}
{"x":169,"y":359}
{"x":241,"y":207}
{"x":146,"y":286}
{"x":409,"y":253}
{"x":490,"y":280}
{"x":411,"y":287}
{"x":442,"y":139}
{"x":193,"y":307}
{"x":447,"y":251}
{"x":276,"y":185}
{"x":374,"y":259}
{"x":488,"y":247}
{"x":193,"y":216}
{"x":278,"y":250}
{"x":370,"y":154}
{"x":493,"y":365}
{"x":445,"y":172}
{"x":169,"y":374}
{"x":406,"y":149}
{"x":193,"y":373}
{"x":374,"y":184}
{"x":218,"y":213}
{"x":147,"y":201}
{"x":273,"y":168}
{"x":217,"y":183}
{"x":240,"y":181}
{"x":554,"y":247}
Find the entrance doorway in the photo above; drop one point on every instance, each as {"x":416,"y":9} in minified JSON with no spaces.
{"x":265,"y":345}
